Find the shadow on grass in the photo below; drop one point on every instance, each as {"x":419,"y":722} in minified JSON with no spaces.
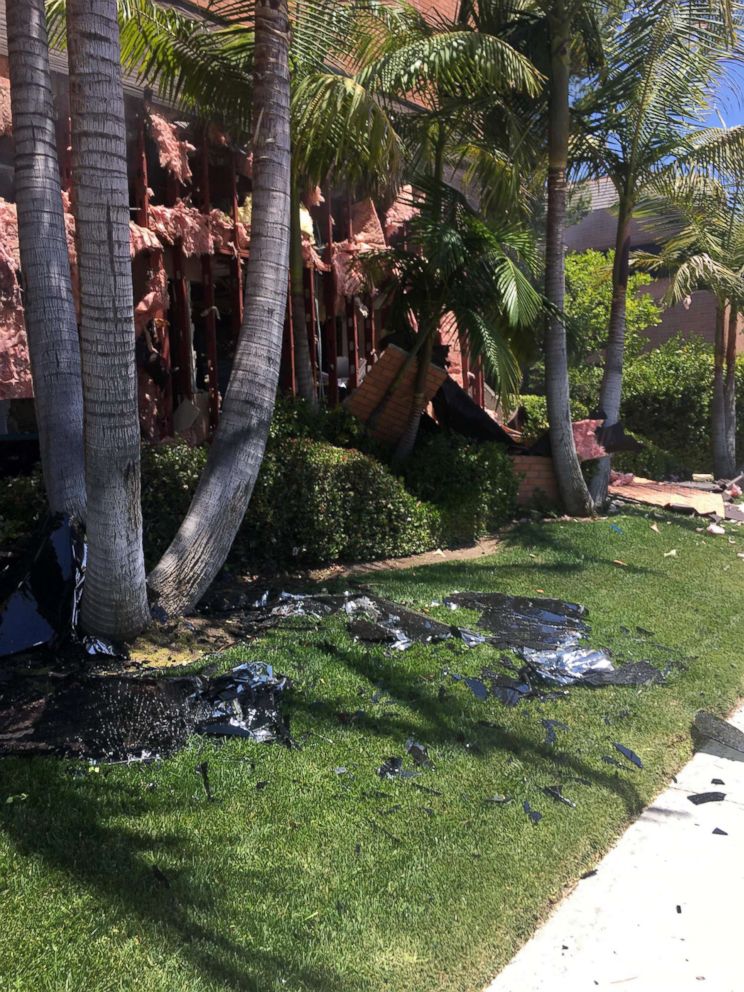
{"x":435,"y":724}
{"x":73,"y":833}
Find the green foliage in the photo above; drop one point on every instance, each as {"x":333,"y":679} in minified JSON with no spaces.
{"x":667,"y":404}
{"x":170,"y":473}
{"x":536,"y":411}
{"x":588,"y":298}
{"x":315,"y":503}
{"x":473,"y":485}
{"x":318,"y":498}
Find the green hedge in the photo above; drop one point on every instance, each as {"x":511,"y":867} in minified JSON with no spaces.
{"x":666,"y":403}
{"x":536,"y":415}
{"x":473,"y":485}
{"x":318,"y":499}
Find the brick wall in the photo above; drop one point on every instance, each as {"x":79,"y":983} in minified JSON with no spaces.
{"x":536,"y":479}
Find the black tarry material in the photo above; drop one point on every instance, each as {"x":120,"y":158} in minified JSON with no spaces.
{"x":555,"y":792}
{"x":550,"y":730}
{"x":455,"y":410}
{"x":137,"y":717}
{"x":39,"y":596}
{"x":627,"y":753}
{"x":522,"y":622}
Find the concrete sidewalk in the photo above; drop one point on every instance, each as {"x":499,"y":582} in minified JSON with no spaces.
{"x":665,"y":911}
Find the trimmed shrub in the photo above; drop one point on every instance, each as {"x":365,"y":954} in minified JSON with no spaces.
{"x":473,"y":485}
{"x":315,"y":503}
{"x":170,"y":473}
{"x":536,"y":415}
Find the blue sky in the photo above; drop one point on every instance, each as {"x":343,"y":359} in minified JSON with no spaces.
{"x":730,"y":98}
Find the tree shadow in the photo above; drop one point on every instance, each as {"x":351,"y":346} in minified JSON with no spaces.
{"x":439,"y":725}
{"x":71,"y":833}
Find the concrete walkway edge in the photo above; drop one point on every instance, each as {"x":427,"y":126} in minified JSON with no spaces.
{"x":663,"y":912}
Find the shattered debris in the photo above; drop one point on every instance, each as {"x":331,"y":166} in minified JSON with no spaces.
{"x":392,"y":768}
{"x":550,"y":730}
{"x":554,"y":791}
{"x":39,"y":598}
{"x":418,"y":753}
{"x":173,"y":152}
{"x":707,"y":797}
{"x":631,"y":756}
{"x":531,"y":813}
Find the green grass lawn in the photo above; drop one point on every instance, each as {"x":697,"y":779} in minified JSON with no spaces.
{"x":299,"y":878}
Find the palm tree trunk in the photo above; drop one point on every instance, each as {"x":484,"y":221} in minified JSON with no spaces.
{"x":115,"y":596}
{"x":612,"y":381}
{"x":303,"y":368}
{"x":51,"y":322}
{"x":721,"y":465}
{"x":203,"y":542}
{"x":571,"y":484}
{"x":729,"y":393}
{"x":407,"y":441}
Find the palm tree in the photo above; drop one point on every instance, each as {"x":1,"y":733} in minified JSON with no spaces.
{"x":206,"y":535}
{"x":450,"y":69}
{"x":340,"y":132}
{"x":115,"y":598}
{"x":51,"y":322}
{"x":705,"y":250}
{"x":561,"y":22}
{"x":455,"y":265}
{"x":639,"y":120}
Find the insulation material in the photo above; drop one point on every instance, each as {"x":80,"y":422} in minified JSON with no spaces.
{"x":6,"y":118}
{"x":367,"y":236}
{"x":15,"y":364}
{"x":185,"y":224}
{"x":621,"y":478}
{"x":172,"y":151}
{"x":313,"y":197}
{"x":154,"y":304}
{"x":310,"y":258}
{"x":585,"y":438}
{"x":392,"y":420}
{"x":142,"y":239}
{"x":366,"y":228}
{"x":401,"y":212}
{"x":222,"y":229}
{"x":152,"y":372}
{"x":72,"y":251}
{"x":349,"y":279}
{"x":245,"y":211}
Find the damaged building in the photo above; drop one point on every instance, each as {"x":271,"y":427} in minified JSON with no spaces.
{"x":190,"y":220}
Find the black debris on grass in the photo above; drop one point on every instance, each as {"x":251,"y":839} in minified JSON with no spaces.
{"x":418,"y":753}
{"x":550,"y":730}
{"x":202,"y":770}
{"x":392,"y":768}
{"x":627,"y":753}
{"x":531,"y":813}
